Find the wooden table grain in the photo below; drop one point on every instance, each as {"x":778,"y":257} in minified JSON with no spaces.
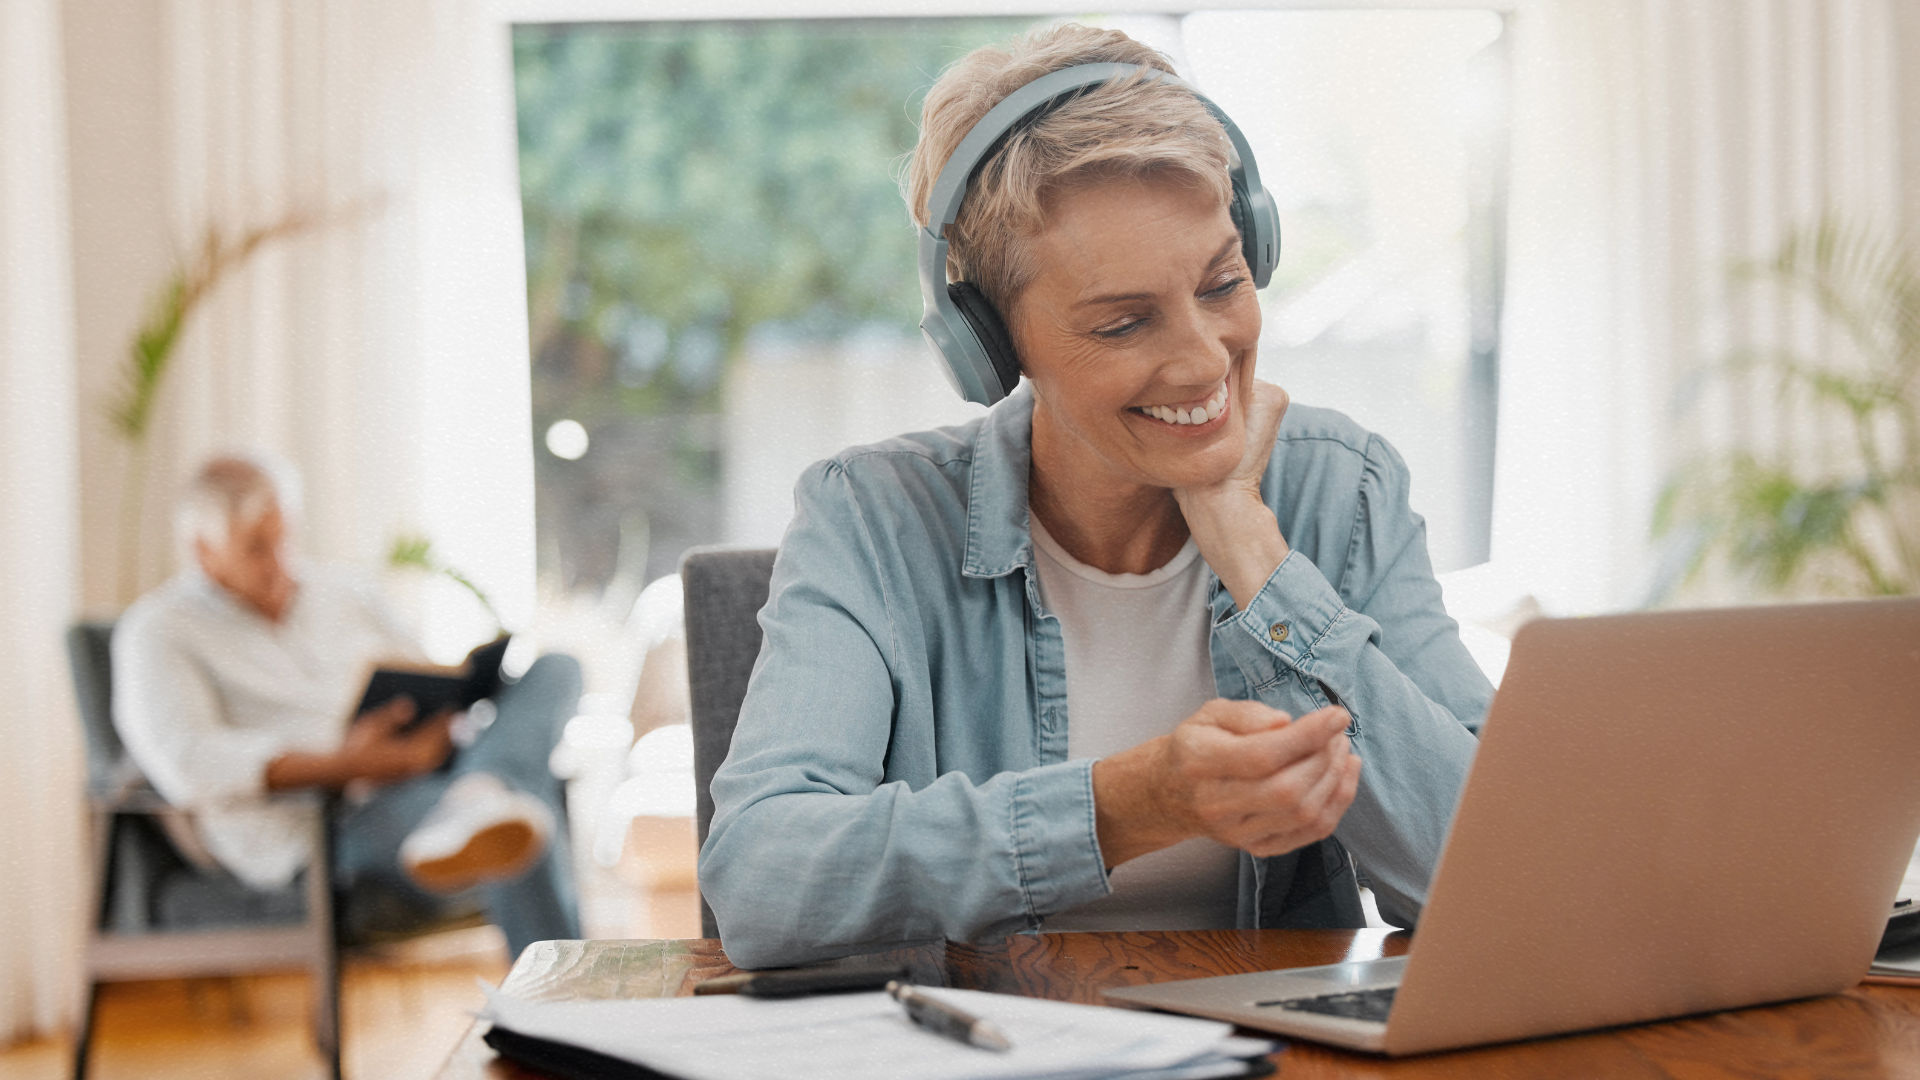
{"x":1868,"y":1032}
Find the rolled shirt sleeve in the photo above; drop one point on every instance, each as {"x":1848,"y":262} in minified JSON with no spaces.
{"x":1383,"y":647}
{"x":167,"y":711}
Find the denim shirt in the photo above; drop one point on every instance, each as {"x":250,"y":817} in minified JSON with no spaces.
{"x":900,"y":772}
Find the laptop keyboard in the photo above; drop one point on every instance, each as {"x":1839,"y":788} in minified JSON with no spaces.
{"x":1357,"y":1005}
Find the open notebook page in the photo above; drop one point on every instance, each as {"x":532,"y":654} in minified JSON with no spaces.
{"x":852,"y":1036}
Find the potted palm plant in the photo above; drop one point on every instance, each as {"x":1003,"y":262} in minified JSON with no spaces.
{"x":1782,"y":523}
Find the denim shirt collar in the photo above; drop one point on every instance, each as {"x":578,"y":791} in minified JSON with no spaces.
{"x":999,"y":532}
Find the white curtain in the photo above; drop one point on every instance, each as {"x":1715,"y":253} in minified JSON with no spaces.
{"x":1655,"y":143}
{"x":40,"y":805}
{"x":384,"y":353}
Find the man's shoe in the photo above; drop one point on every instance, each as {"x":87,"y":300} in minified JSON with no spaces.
{"x":480,"y":831}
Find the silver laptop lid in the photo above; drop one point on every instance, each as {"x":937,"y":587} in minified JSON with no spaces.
{"x":1670,"y":813}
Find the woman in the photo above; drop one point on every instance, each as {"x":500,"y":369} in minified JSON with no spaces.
{"x":1228,"y":596}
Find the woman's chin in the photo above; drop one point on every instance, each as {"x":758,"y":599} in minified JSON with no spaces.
{"x":1191,"y":457}
{"x":1189,"y":470}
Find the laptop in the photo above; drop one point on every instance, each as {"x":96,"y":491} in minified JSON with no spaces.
{"x":1669,"y":813}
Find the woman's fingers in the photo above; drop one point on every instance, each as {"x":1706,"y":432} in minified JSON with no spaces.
{"x":1240,"y":717}
{"x":1241,"y":772}
{"x":1269,"y":408}
{"x":1313,"y":818}
{"x":1230,"y":745}
{"x":1322,"y":813}
{"x":1323,"y":790}
{"x":1301,"y":787}
{"x":1266,"y":407}
{"x":1272,"y":791}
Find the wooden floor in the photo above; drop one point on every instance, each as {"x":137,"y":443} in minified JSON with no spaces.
{"x":401,"y":1011}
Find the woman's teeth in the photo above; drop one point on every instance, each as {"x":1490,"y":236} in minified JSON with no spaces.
{"x":1199,"y":414}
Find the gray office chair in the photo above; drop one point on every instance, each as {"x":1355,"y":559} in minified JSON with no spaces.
{"x":725,"y":590}
{"x":159,"y":915}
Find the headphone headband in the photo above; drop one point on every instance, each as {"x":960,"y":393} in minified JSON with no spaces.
{"x":966,"y":334}
{"x":951,"y":188}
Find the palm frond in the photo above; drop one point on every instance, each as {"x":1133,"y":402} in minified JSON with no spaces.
{"x":217,"y":257}
{"x":1770,"y":518}
{"x":1864,"y":281}
{"x":411,"y":551}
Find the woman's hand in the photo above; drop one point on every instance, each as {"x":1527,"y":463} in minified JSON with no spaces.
{"x":1237,"y":771}
{"x":1232,"y":526}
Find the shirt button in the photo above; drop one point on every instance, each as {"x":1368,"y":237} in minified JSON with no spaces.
{"x":1278,"y":631}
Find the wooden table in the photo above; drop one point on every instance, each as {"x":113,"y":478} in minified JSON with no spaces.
{"x":1871,"y":1031}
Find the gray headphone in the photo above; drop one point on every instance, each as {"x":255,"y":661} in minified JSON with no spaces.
{"x":967,"y":335}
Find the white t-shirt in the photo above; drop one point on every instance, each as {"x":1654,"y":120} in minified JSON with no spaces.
{"x":207,"y":691}
{"x":1138,"y":663}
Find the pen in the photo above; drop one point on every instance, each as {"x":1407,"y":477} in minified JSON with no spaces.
{"x":943,"y":1019}
{"x":821,"y":980}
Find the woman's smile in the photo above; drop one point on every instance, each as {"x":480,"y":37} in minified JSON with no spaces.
{"x":1190,"y":419}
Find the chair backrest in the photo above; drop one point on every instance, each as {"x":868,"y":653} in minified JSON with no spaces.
{"x":725,"y":590}
{"x":89,"y":655}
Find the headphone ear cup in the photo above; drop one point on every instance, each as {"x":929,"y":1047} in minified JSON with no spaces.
{"x":988,"y":330}
{"x":1240,"y":208}
{"x":1259,"y":227}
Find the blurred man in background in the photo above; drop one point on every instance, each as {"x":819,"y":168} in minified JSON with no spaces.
{"x":237,"y":681}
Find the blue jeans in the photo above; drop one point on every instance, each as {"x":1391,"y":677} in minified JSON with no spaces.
{"x":539,"y":905}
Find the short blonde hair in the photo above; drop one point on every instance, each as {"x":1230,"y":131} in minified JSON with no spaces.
{"x":1128,"y":128}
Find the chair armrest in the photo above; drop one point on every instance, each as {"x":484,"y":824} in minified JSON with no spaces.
{"x":138,"y":798}
{"x":136,"y":801}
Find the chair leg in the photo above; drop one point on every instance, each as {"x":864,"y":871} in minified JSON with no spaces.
{"x":326,"y":953}
{"x":84,"y":1044}
{"x":326,"y":1011}
{"x":104,"y":827}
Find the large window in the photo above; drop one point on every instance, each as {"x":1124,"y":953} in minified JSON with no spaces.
{"x":721,"y":270}
{"x":715,"y":241}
